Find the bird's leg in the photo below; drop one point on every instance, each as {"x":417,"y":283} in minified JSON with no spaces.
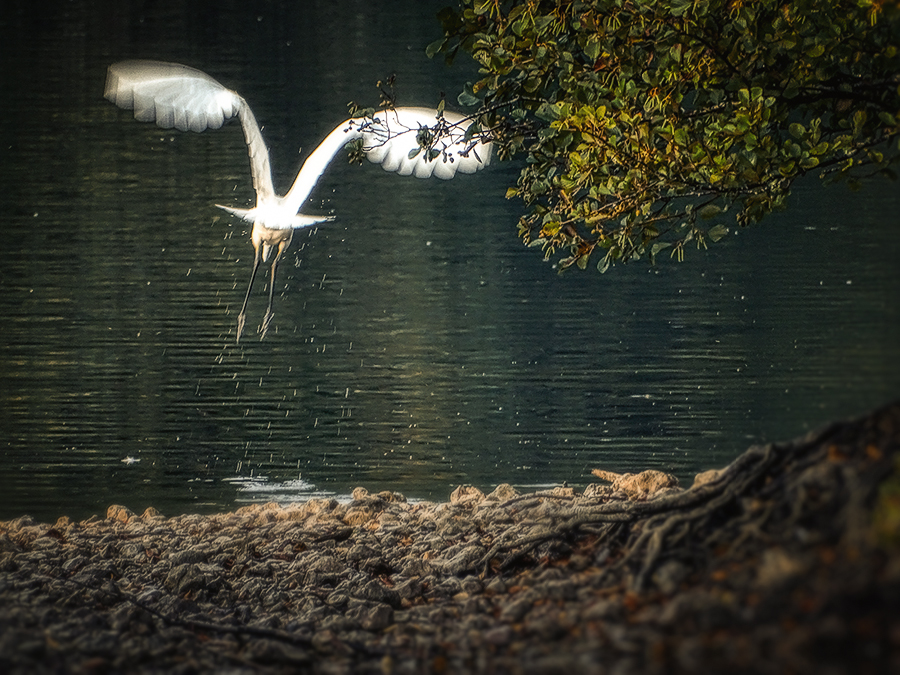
{"x":268,"y":317}
{"x":240,"y":321}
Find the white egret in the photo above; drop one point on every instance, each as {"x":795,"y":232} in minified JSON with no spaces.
{"x":415,"y":141}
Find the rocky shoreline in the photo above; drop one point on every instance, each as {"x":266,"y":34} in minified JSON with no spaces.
{"x":788,"y":560}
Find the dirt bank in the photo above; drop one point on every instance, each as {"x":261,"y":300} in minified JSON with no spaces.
{"x":788,"y":560}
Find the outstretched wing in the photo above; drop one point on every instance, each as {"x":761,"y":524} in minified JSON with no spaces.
{"x":389,"y":138}
{"x":392,"y":136}
{"x":172,"y":95}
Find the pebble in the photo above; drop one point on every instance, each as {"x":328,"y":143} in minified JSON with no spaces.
{"x":383,"y":586}
{"x":361,"y":578}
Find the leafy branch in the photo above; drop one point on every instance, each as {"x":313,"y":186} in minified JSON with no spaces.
{"x":643,"y":123}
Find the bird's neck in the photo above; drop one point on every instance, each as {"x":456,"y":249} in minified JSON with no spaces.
{"x":316,"y":163}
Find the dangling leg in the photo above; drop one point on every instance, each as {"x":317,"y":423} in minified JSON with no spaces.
{"x":240,"y":321}
{"x":283,"y":244}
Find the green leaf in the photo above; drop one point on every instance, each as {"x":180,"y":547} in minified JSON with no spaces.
{"x":717,"y":232}
{"x":679,"y":7}
{"x":547,"y":133}
{"x":604,"y":263}
{"x":710,"y":211}
{"x":541,"y":23}
{"x":815,"y":51}
{"x":531,"y":84}
{"x":809,"y":162}
{"x":548,"y":112}
{"x":467,"y":100}
{"x":483,"y":6}
{"x":435,"y":47}
{"x":592,"y":48}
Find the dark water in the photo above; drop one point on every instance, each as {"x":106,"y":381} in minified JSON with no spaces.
{"x":416,"y":344}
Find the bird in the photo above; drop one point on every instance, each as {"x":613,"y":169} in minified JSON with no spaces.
{"x":407,"y":140}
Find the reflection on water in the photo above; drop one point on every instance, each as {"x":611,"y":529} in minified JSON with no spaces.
{"x":416,"y":345}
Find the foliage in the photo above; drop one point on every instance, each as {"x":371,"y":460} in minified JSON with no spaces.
{"x":644,"y":121}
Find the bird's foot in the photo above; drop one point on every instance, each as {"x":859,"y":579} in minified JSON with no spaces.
{"x":264,"y":328}
{"x":240,"y":327}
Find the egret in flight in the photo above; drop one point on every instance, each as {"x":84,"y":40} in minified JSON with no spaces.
{"x":416,"y":141}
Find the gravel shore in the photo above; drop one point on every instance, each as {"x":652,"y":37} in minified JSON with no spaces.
{"x":788,"y":560}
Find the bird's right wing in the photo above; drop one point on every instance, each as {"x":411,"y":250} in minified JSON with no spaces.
{"x":173,"y":95}
{"x":391,"y":138}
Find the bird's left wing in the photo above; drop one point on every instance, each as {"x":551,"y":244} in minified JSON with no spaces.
{"x":171,"y":95}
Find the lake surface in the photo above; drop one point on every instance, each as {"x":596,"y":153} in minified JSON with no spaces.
{"x":416,"y":344}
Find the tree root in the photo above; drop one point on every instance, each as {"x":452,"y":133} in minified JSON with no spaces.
{"x":816,"y":488}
